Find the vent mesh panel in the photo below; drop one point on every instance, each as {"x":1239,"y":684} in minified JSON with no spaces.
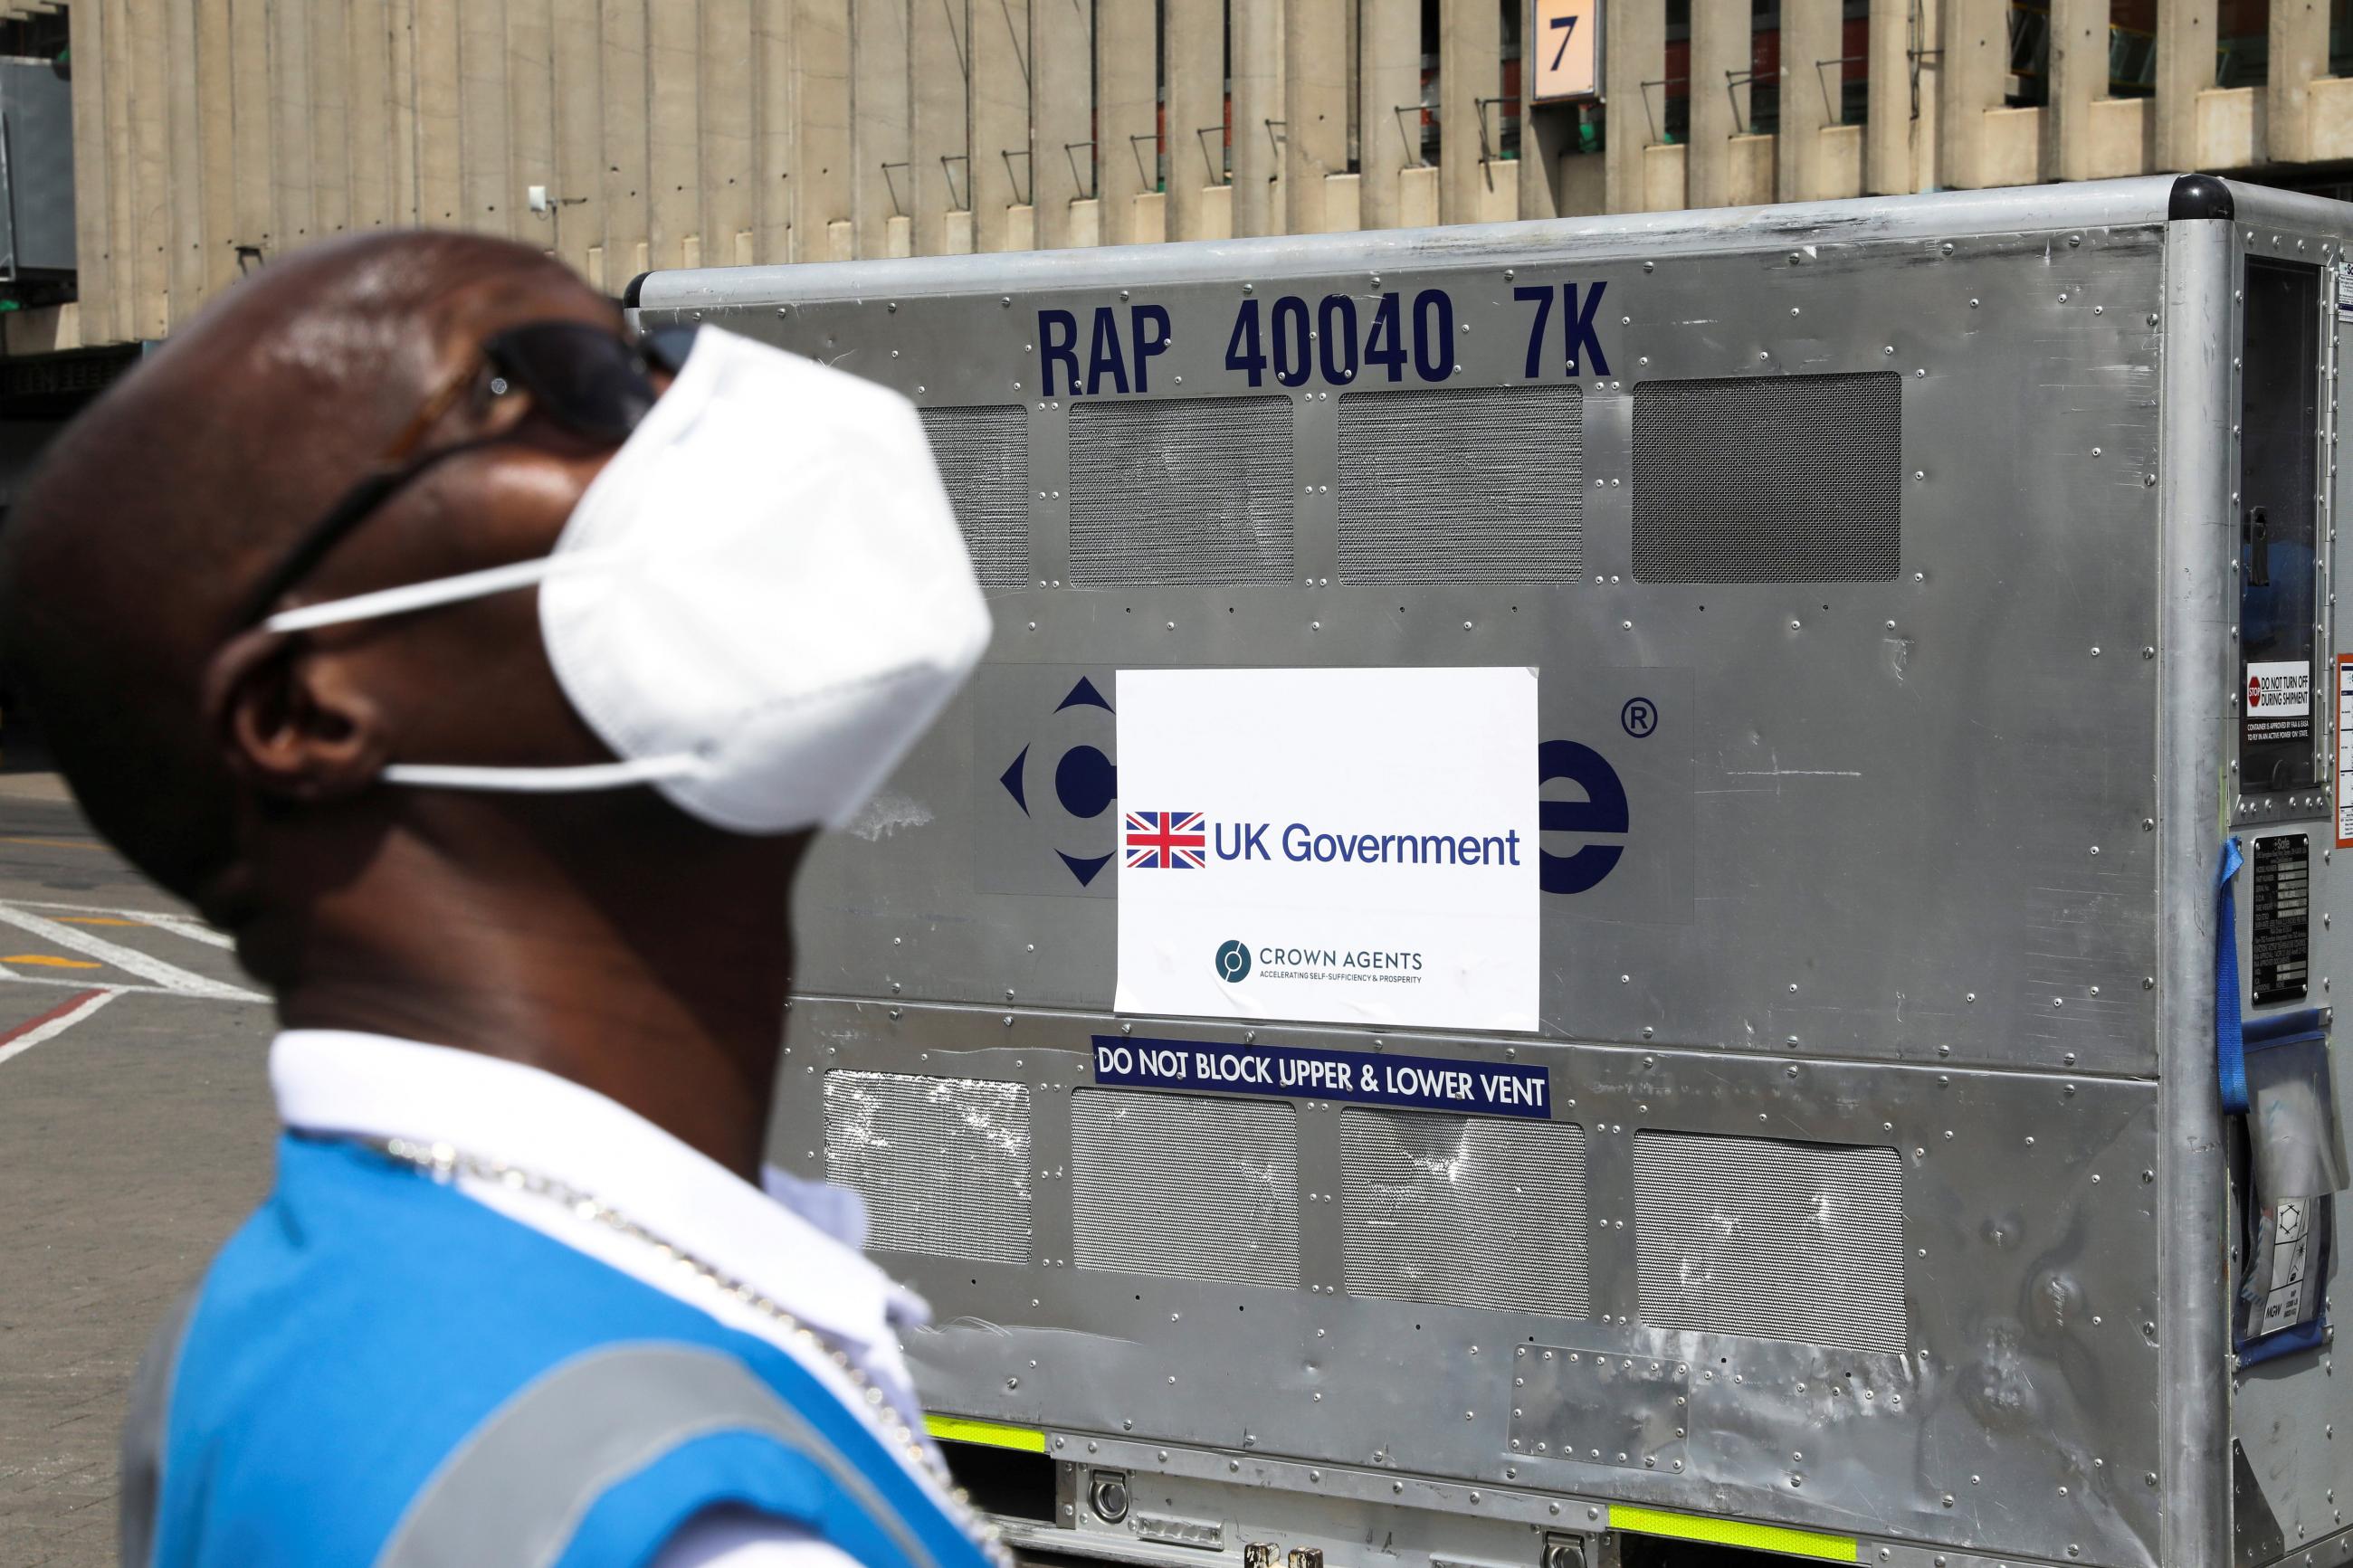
{"x":984,"y":456}
{"x":1464,"y":1212}
{"x":1485,"y":485}
{"x":943,"y":1163}
{"x":1196,"y":491}
{"x":1779,"y":1240}
{"x":1195,"y":1188}
{"x":1794,"y":478}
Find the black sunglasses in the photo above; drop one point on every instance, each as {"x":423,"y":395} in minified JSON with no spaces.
{"x":589,"y":380}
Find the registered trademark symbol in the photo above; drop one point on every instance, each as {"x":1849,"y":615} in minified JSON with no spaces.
{"x":1639,"y":716}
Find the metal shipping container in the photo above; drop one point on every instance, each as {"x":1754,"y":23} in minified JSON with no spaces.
{"x":1940,"y":584}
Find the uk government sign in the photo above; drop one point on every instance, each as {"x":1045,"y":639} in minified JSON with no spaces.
{"x":1329,"y":846}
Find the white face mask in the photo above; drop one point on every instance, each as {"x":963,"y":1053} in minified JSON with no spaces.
{"x":759,"y":605}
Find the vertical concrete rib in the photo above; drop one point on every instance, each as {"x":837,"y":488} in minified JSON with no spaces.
{"x":217,"y":157}
{"x":727,"y":113}
{"x":2079,"y":79}
{"x":93,"y":209}
{"x":821,"y":172}
{"x":1388,"y":108}
{"x":1258,"y":127}
{"x":1002,"y":177}
{"x":627,"y":204}
{"x":1810,"y":93}
{"x":439,"y":200}
{"x":2185,"y":67}
{"x":1193,"y":53}
{"x":485,"y":141}
{"x":530,"y":118}
{"x":1315,"y":78}
{"x":674,"y":131}
{"x":1972,"y":70}
{"x":1721,"y":34}
{"x":2299,"y":52}
{"x":331,"y":99}
{"x":1634,"y":65}
{"x":1547,"y":135}
{"x":290,"y":120}
{"x":400,"y":51}
{"x":184,"y":138}
{"x":1062,"y":114}
{"x":1470,"y":72}
{"x":940,"y":142}
{"x":122,"y":233}
{"x":368,"y":65}
{"x":878,"y":131}
{"x":578,"y":223}
{"x":148,"y":245}
{"x":1887,"y":117}
{"x":777,"y":128}
{"x":1127,"y":114}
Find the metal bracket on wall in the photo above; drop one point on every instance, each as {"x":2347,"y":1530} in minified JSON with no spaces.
{"x":1732,"y":79}
{"x":1090,"y":184}
{"x":1218,"y":163}
{"x":949,"y":174}
{"x":1008,"y":154}
{"x":1413,"y":145}
{"x":896,"y":210}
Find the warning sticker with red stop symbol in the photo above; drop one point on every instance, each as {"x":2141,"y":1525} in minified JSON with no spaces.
{"x":2279,"y":701}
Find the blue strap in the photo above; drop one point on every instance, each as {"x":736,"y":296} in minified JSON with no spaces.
{"x":2229,"y":1048}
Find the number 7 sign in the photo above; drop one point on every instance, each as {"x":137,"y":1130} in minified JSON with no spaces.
{"x":1567,"y":51}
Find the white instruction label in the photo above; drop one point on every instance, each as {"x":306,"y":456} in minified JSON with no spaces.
{"x":2344,"y":751}
{"x":2288,"y":1291}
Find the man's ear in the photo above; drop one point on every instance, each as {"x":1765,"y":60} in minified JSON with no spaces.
{"x":287,"y":723}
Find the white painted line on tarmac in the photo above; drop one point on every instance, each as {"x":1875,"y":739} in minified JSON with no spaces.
{"x":49,"y":1026}
{"x":170,"y":918}
{"x":181,"y":925}
{"x":169,"y":976}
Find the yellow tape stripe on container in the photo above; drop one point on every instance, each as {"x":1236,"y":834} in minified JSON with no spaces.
{"x":1733,"y":1532}
{"x":988,"y":1434}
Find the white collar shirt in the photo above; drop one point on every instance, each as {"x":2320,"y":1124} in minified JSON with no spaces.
{"x":796,"y":1242}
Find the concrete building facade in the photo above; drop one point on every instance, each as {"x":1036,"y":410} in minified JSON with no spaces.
{"x":211,"y":136}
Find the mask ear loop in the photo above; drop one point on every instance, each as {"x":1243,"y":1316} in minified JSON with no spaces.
{"x":544,"y":780}
{"x":491,"y":580}
{"x":411,"y":597}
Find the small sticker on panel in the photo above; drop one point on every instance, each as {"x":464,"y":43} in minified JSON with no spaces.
{"x":2344,"y":751}
{"x":2282,"y":938}
{"x":2345,"y":291}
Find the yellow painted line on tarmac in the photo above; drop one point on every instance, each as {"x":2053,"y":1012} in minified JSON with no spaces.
{"x":989,"y":1434}
{"x":58,"y":843}
{"x":96,"y":920}
{"x":50,"y":960}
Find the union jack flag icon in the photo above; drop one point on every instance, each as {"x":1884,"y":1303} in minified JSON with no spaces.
{"x":1170,"y":840}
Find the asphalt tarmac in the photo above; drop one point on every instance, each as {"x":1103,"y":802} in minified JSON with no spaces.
{"x":135,"y":1133}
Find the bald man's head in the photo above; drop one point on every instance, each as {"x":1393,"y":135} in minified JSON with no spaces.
{"x":157,"y":510}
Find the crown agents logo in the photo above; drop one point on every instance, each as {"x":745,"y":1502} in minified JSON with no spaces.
{"x":1233,"y":962}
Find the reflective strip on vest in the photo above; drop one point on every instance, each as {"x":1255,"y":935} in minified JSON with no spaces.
{"x":517,"y":1488}
{"x":145,"y":1421}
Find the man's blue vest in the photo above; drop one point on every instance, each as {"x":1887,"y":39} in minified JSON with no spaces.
{"x":377,"y":1370}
